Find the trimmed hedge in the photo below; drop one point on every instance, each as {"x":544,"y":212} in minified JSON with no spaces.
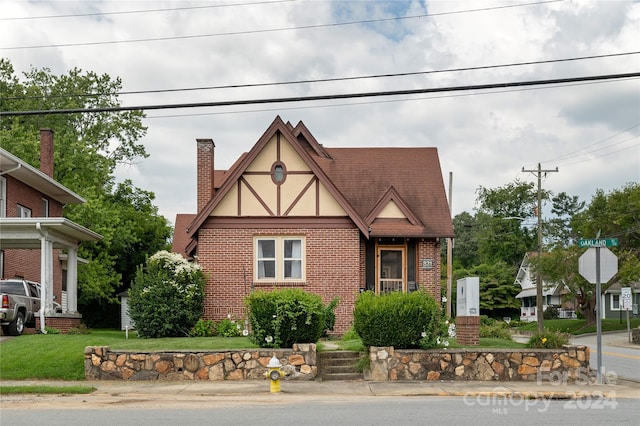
{"x":401,"y":320}
{"x":280,"y":318}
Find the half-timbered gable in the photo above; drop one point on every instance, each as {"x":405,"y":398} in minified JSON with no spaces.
{"x":333,"y":221}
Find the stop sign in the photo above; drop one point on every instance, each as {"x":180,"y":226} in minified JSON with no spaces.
{"x":608,"y":264}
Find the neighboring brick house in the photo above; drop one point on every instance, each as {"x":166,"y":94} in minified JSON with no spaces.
{"x":331,"y":221}
{"x":36,"y":242}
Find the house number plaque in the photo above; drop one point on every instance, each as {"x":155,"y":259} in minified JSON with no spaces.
{"x":427,"y":263}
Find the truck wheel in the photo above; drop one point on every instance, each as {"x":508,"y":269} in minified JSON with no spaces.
{"x":16,"y":327}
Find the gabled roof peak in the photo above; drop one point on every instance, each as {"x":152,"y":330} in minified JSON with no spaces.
{"x":301,"y":132}
{"x":392,"y":195}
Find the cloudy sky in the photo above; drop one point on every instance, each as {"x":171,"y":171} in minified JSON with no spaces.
{"x":590,"y":131}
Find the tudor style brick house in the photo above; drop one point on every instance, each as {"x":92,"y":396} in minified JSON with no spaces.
{"x":332,"y":221}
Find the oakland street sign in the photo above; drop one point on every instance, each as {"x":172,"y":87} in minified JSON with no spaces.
{"x":598,"y":242}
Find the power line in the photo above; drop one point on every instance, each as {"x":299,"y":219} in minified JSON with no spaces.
{"x":336,"y":105}
{"x":128,"y":12}
{"x":335,"y":79}
{"x":570,"y":154}
{"x":323,"y":97}
{"x":303,"y":27}
{"x":605,"y":154}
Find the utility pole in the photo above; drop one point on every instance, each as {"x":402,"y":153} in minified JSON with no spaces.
{"x":539,"y":304}
{"x":449,"y":249}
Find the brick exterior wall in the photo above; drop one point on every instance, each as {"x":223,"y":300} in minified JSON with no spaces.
{"x":205,"y":149}
{"x":468,"y":330}
{"x":334,"y":262}
{"x":333,"y":268}
{"x":26,"y":262}
{"x":429,"y":279}
{"x":46,"y":152}
{"x":61,"y":322}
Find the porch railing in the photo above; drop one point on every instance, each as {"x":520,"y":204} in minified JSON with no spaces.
{"x":388,"y":285}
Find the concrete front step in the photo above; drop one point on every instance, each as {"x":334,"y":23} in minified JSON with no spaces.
{"x":339,"y":365}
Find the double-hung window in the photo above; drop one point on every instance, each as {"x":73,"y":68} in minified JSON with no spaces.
{"x":279,"y":258}
{"x":615,"y":302}
{"x":23,"y":211}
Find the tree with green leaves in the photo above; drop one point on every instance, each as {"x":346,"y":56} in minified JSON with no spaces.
{"x":88,"y":149}
{"x":501,"y":233}
{"x":614,"y":215}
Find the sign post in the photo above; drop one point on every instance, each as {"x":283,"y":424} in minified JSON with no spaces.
{"x":625,"y":300}
{"x":595,"y":275}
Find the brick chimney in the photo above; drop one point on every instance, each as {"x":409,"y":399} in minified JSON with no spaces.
{"x":46,"y":152}
{"x":205,"y":171}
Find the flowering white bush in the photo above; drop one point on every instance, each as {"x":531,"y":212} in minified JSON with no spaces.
{"x":167,"y":296}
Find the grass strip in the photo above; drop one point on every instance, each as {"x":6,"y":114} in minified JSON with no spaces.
{"x":44,"y":389}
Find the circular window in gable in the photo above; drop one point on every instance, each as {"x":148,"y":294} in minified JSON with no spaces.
{"x":278,"y":173}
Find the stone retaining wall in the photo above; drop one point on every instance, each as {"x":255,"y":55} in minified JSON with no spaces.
{"x":635,"y":336}
{"x":102,"y":363}
{"x":569,"y":364}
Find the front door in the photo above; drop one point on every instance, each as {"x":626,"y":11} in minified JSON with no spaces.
{"x":391,"y":269}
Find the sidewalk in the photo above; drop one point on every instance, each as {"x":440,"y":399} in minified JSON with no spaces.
{"x":152,"y":390}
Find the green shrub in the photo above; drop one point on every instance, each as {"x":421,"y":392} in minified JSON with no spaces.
{"x":51,"y":330}
{"x":551,"y":313}
{"x":330,"y":316}
{"x":81,"y":329}
{"x":497,"y":330}
{"x":203,"y":328}
{"x":281,"y":318}
{"x":350,"y":334}
{"x":486,"y":320}
{"x":166,"y":297}
{"x":516,"y":322}
{"x":228,"y":328}
{"x":548,"y":340}
{"x":401,"y":320}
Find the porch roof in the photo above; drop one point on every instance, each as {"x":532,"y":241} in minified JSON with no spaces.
{"x":27,"y":232}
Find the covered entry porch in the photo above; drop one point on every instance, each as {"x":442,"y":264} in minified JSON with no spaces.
{"x":46,"y":234}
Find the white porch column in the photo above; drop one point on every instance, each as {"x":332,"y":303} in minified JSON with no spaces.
{"x":72,"y":280}
{"x":43,"y":277}
{"x":48,"y":283}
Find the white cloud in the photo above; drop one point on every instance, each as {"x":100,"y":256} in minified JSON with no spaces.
{"x":484,"y":139}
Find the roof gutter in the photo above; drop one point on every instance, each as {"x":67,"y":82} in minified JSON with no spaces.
{"x":11,"y":170}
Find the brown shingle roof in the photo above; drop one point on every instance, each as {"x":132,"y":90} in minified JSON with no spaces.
{"x":180,"y":237}
{"x":364,"y":175}
{"x":360,"y":179}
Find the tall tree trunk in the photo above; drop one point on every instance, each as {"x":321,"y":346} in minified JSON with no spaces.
{"x":587,"y":308}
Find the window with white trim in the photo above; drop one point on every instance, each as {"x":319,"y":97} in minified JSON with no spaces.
{"x":279,"y":259}
{"x":615,"y":302}
{"x":23,"y":211}
{"x":45,"y":207}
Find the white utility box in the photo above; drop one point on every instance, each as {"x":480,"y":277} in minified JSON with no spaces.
{"x":468,"y":297}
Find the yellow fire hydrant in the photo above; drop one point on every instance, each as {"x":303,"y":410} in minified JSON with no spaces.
{"x":274,"y":374}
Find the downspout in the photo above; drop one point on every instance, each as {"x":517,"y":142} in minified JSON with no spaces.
{"x":11,"y":170}
{"x":43,"y":286}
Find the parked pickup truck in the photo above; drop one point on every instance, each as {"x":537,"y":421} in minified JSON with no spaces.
{"x":20,"y":302}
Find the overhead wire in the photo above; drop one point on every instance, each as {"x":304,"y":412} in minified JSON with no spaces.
{"x":324,"y":97}
{"x":337,"y":79}
{"x":129,"y":12}
{"x":270,"y":30}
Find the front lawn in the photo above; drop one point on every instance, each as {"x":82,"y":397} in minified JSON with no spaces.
{"x":577,"y":326}
{"x":61,"y":356}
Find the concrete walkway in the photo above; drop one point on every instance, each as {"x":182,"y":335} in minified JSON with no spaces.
{"x":120,"y":391}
